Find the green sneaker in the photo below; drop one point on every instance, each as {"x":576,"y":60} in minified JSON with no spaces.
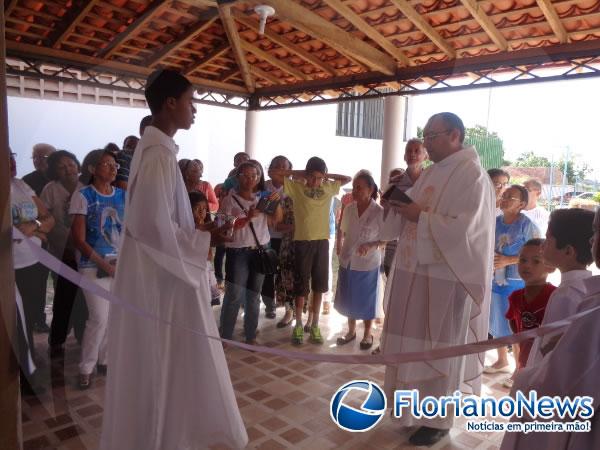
{"x":315,"y":335}
{"x":297,"y":335}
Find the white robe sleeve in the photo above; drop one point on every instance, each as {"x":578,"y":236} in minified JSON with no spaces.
{"x":155,"y":206}
{"x":392,"y":226}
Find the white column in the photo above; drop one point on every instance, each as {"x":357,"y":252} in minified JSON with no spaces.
{"x":252,"y":133}
{"x":394,"y":123}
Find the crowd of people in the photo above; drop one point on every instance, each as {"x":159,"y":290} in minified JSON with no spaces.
{"x":145,"y":225}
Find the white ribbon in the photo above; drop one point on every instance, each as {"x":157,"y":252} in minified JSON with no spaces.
{"x":76,"y":278}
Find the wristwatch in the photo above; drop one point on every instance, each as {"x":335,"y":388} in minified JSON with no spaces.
{"x":38,"y":225}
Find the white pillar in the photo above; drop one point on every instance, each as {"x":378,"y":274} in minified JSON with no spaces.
{"x":394,"y":123}
{"x":252,"y":133}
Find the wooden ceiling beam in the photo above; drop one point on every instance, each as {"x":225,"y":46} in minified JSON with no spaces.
{"x":215,"y":53}
{"x":554,"y":21}
{"x":235,"y":42}
{"x":274,"y":61}
{"x":486,"y":23}
{"x":362,"y":25}
{"x":265,"y":75}
{"x":153,"y":9}
{"x":313,"y":24}
{"x":9,"y":5}
{"x":411,"y":14}
{"x":54,"y":56}
{"x":204,"y":22}
{"x":71,"y":19}
{"x":285,"y":43}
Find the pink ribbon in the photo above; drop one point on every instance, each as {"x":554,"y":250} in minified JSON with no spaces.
{"x":76,"y":278}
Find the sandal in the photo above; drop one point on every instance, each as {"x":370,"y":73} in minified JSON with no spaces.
{"x":366,"y":345}
{"x":377,"y":351}
{"x":284,"y":323}
{"x":345,"y":339}
{"x":85,"y":381}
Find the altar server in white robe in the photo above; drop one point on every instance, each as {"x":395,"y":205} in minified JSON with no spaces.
{"x":167,"y":388}
{"x":439,"y":292}
{"x":571,"y":369}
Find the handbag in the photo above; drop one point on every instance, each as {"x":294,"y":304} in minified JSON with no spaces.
{"x":264,"y":259}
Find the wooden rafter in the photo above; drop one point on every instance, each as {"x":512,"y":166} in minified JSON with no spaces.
{"x":215,"y":53}
{"x":285,"y":43}
{"x":98,"y":64}
{"x":71,"y":19}
{"x":265,"y":75}
{"x":554,"y":21}
{"x":200,"y":3}
{"x":362,"y":25}
{"x":204,"y":22}
{"x":305,"y":20}
{"x":9,"y":5}
{"x":273,"y":60}
{"x":153,"y":9}
{"x":486,"y":23}
{"x":411,"y":14}
{"x":235,"y":42}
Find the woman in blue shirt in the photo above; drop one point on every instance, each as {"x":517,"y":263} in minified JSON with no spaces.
{"x":98,"y":213}
{"x":513,"y":229}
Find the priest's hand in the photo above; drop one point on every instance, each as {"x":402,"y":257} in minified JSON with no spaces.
{"x":365,"y":248}
{"x":410,"y":211}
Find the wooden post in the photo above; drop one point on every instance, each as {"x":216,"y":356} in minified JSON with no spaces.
{"x":9,"y":372}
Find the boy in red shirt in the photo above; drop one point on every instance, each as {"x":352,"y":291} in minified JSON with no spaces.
{"x":526,"y":306}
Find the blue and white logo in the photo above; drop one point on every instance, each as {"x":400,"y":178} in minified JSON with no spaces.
{"x":358,"y":420}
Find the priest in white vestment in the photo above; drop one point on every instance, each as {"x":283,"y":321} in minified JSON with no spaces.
{"x":439,"y":291}
{"x":167,"y":388}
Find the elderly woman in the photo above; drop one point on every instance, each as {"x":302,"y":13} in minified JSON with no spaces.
{"x":192,"y":171}
{"x":358,"y":295}
{"x":513,"y":229}
{"x":68,"y":307}
{"x":244,"y":282}
{"x":31,"y":217}
{"x":97,"y":212}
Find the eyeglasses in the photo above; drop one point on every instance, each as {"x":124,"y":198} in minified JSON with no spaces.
{"x":110,"y":165}
{"x":500,"y":185}
{"x":507,"y":199}
{"x":38,"y":157}
{"x":13,"y":154}
{"x":436,"y":134}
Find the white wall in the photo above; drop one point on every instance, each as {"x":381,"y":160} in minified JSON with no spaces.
{"x":302,"y":132}
{"x":216,"y":136}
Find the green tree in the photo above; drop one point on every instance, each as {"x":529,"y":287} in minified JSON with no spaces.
{"x":574,"y":171}
{"x":530,"y":159}
{"x":488,"y":144}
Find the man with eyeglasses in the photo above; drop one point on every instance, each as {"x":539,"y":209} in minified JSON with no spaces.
{"x":439,"y":289}
{"x":38,"y":179}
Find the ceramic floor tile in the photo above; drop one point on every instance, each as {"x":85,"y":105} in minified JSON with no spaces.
{"x":283,"y":402}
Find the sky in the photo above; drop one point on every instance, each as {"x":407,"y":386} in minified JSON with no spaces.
{"x":546,"y":118}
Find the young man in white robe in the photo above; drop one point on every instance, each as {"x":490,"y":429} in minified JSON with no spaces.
{"x":571,"y":369}
{"x":567,"y":247}
{"x":167,"y":387}
{"x":439,"y":291}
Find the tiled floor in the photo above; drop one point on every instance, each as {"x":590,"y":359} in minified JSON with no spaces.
{"x":284,"y":402}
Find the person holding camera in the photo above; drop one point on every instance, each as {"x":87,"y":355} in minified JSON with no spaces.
{"x":243,"y":279}
{"x":98,"y":213}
